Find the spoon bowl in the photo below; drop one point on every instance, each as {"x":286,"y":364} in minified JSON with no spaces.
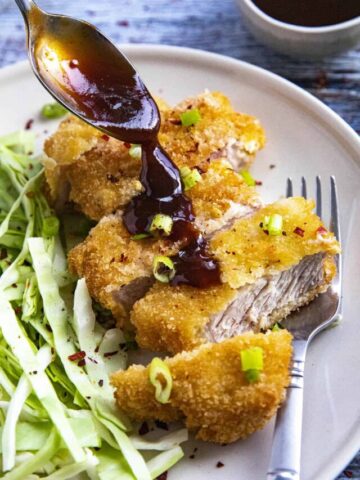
{"x":87,"y":74}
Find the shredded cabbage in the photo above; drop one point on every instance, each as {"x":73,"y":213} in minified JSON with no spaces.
{"x":58,"y":417}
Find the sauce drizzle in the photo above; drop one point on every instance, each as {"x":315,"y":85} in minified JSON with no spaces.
{"x":87,"y":72}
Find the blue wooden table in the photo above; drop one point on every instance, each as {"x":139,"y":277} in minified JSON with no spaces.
{"x":214,"y":25}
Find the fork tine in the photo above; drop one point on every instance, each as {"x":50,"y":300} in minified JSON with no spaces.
{"x":289,"y":187}
{"x":303,"y":187}
{"x":318,"y":197}
{"x":334,"y":220}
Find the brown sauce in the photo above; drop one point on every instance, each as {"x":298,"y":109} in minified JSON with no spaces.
{"x":310,"y":13}
{"x":89,"y":73}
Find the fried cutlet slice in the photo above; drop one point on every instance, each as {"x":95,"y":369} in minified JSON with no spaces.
{"x":118,"y":269}
{"x":264,"y":278}
{"x":210,"y":391}
{"x":90,"y":169}
{"x":221,"y":131}
{"x":99,"y":176}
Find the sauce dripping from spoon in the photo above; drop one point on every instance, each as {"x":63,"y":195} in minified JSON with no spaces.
{"x":87,"y":73}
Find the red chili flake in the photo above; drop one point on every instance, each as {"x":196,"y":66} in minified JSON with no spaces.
{"x":174,"y":121}
{"x":219,"y":465}
{"x":127,"y":144}
{"x":321,"y":230}
{"x":3,"y":253}
{"x":77,"y":356}
{"x":123,"y":257}
{"x":266,"y":232}
{"x":73,"y":63}
{"x":82,"y":362}
{"x":29,"y":124}
{"x":321,"y":80}
{"x":18,"y":310}
{"x":272,"y":166}
{"x":101,"y":383}
{"x":192,"y":456}
{"x":258,"y":182}
{"x":299,"y":231}
{"x":123,"y":23}
{"x":163,"y":476}
{"x":284,"y":233}
{"x":144,"y":428}
{"x":105,"y":137}
{"x":112,"y":178}
{"x":110,"y":354}
{"x":348,"y":473}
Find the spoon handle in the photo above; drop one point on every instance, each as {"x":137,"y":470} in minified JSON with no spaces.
{"x":25,"y":6}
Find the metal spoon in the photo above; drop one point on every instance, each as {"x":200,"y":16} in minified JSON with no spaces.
{"x":87,"y":74}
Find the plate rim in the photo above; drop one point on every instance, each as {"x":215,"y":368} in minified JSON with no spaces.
{"x":350,"y":140}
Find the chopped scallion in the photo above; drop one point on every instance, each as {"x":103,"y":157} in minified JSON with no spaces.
{"x":275,"y":224}
{"x":53,"y":110}
{"x":189,"y":177}
{"x":163,"y":269}
{"x":190,"y":117}
{"x":277,"y":327}
{"x":135,"y":151}
{"x":140,"y":236}
{"x":248,"y":178}
{"x":50,"y":226}
{"x":162,"y":223}
{"x":160,"y":377}
{"x":252,"y":363}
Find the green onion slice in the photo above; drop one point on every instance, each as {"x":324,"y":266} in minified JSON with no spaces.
{"x":160,"y":377}
{"x":190,"y":117}
{"x":135,"y":151}
{"x":162,"y":223}
{"x":50,"y":226}
{"x":189,"y":177}
{"x":277,"y":327}
{"x":275,"y":224}
{"x":248,"y":178}
{"x":252,"y":363}
{"x":53,"y":110}
{"x":140,"y":236}
{"x":163,"y":269}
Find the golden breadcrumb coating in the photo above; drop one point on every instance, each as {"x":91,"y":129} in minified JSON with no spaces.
{"x":173,"y":319}
{"x":110,"y":259}
{"x":246,"y":253}
{"x":210,"y":391}
{"x":100,"y":175}
{"x":218,"y":130}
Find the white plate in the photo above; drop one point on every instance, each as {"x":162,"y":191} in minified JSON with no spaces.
{"x":304,"y":138}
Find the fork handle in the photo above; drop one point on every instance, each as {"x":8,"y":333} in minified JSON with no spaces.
{"x":286,"y":447}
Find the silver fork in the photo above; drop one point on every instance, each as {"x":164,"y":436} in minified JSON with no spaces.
{"x":304,"y":325}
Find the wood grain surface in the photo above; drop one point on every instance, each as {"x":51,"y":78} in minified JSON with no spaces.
{"x":214,"y":25}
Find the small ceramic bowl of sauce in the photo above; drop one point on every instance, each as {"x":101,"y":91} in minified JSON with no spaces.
{"x":304,"y":28}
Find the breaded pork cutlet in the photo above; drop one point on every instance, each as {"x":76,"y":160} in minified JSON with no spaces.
{"x":90,"y":169}
{"x":210,"y":391}
{"x":118,"y":269}
{"x":221,"y":131}
{"x":265,"y":277}
{"x":99,"y":176}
